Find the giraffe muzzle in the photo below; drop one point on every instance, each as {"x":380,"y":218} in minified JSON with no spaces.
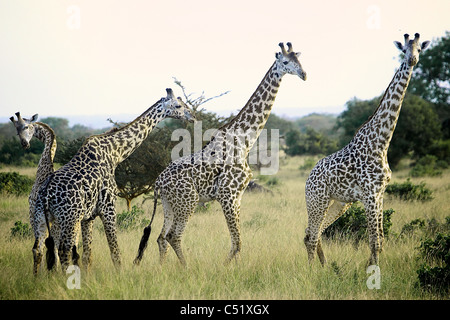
{"x":302,"y":76}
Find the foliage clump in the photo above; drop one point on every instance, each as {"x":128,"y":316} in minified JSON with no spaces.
{"x":353,"y":224}
{"x":128,"y":220}
{"x":15,"y":183}
{"x":428,"y":165}
{"x":435,"y":277}
{"x":409,"y":191}
{"x":21,"y":230}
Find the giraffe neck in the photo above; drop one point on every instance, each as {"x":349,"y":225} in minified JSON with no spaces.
{"x":250,"y":121}
{"x":116,"y":145}
{"x":45,"y":134}
{"x":379,"y":128}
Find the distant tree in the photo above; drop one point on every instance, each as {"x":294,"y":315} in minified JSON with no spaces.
{"x":67,"y":149}
{"x":323,"y":123}
{"x":12,"y":153}
{"x":431,"y":79}
{"x":310,"y":143}
{"x":276,"y":122}
{"x":137,"y":174}
{"x":7,"y":130}
{"x":356,"y":113}
{"x":417,"y":128}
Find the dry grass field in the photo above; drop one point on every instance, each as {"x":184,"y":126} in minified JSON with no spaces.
{"x":272,"y":265}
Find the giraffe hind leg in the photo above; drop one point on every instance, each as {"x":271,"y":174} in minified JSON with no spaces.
{"x":177,"y":229}
{"x":316,"y":215}
{"x":335,"y":210}
{"x":163,"y":244}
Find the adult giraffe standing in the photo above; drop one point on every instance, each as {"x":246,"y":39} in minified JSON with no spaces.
{"x":360,"y":171}
{"x":220,"y":170}
{"x":85,"y":187}
{"x":27,"y":129}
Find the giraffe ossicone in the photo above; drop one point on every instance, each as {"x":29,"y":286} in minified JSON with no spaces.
{"x":219,"y":171}
{"x":85,"y":188}
{"x":360,"y":170}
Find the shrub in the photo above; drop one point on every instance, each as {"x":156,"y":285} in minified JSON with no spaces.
{"x":353,"y":224}
{"x":274,"y":181}
{"x":408,"y":191}
{"x":21,"y":230}
{"x":131,"y":219}
{"x":14,"y":183}
{"x":428,"y":166}
{"x":437,"y":252}
{"x":308,"y":164}
{"x":428,"y":228}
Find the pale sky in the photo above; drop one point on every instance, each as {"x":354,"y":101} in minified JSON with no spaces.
{"x":89,"y":57}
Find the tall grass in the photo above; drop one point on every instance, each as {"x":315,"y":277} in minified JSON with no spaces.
{"x":273,"y":263}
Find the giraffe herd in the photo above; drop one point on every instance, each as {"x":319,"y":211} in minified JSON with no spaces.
{"x":66,"y":201}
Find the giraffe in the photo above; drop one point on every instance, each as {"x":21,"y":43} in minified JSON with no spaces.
{"x":27,"y":129}
{"x":219,"y":171}
{"x":360,"y":170}
{"x":85,"y":188}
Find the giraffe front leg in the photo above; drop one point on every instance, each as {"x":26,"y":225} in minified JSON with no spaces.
{"x":375,"y":241}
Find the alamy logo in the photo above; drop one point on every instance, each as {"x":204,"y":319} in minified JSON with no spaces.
{"x":74,"y":280}
{"x":229,"y":147}
{"x":374,"y":280}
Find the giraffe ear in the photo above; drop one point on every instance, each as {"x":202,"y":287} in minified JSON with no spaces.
{"x":425,"y":45}
{"x":34,"y":118}
{"x":277,"y":55}
{"x":298,"y":54}
{"x":12,"y":119}
{"x":398,"y":45}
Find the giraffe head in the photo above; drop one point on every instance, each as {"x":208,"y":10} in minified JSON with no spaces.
{"x":25,"y":129}
{"x":175,"y":108}
{"x":288,"y":61}
{"x":412,"y":48}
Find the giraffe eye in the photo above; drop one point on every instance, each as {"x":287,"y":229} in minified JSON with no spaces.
{"x":285,"y":62}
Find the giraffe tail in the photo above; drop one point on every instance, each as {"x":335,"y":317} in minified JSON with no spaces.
{"x":147,"y":230}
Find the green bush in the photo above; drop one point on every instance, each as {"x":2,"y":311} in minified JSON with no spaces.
{"x":435,"y":251}
{"x":21,"y":230}
{"x":274,"y":181}
{"x":428,"y":165}
{"x":408,"y":191}
{"x":308,"y":164}
{"x":353,"y":224}
{"x":14,"y":183}
{"x":423,"y":228}
{"x":131,"y":219}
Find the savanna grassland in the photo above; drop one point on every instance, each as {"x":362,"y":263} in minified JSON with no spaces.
{"x":272,"y":265}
